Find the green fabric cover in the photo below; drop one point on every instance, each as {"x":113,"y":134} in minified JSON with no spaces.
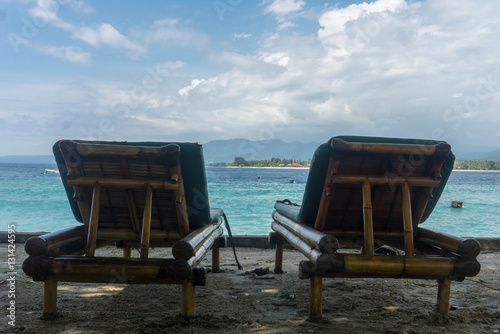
{"x":193,"y":171}
{"x":319,"y":164}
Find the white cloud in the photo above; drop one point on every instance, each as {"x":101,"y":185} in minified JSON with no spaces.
{"x":282,"y":8}
{"x":72,"y":54}
{"x":241,"y":36}
{"x":168,"y":31}
{"x":105,"y":34}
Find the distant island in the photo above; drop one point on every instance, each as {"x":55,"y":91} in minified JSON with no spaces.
{"x":477,"y":165}
{"x":274,"y":162}
{"x":277,"y":162}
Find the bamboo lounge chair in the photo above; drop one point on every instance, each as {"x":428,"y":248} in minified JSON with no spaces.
{"x":365,"y":197}
{"x":139,"y":195}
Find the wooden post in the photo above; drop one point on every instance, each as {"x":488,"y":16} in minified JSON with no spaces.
{"x":187,"y":299}
{"x":50,"y":300}
{"x":315,"y":299}
{"x":278,"y":263}
{"x":127,"y":252}
{"x":216,"y":257}
{"x":407,"y":223}
{"x":146,"y":223}
{"x":368,"y":248}
{"x":443,"y":301}
{"x":94,"y":221}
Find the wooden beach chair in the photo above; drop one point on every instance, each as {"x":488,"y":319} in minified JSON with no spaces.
{"x":137,"y":195}
{"x":364,"y":200}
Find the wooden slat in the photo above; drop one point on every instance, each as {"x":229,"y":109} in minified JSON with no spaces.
{"x":146,"y":223}
{"x":420,"y":181}
{"x":407,"y":223}
{"x":324,"y":203}
{"x":94,"y":221}
{"x":368,"y":248}
{"x":122,"y":183}
{"x":386,"y":148}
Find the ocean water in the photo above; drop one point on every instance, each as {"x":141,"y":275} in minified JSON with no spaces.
{"x":34,"y":201}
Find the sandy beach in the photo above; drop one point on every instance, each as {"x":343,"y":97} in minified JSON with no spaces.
{"x":255,"y":300}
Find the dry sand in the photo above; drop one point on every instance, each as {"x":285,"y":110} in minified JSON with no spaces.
{"x":237,"y":301}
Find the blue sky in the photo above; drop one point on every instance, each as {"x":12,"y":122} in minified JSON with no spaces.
{"x":265,"y":69}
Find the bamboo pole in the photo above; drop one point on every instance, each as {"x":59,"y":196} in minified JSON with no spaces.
{"x":216,"y":257}
{"x":368,"y":248}
{"x":203,"y":248}
{"x":106,"y":269}
{"x":129,"y":235}
{"x":407,"y":223}
{"x":315,"y":298}
{"x":50,"y":300}
{"x":127,"y":252}
{"x":415,"y":266}
{"x":418,"y":181}
{"x":326,"y":195}
{"x":46,"y":243}
{"x":185,"y":248}
{"x":324,"y":242}
{"x":322,"y":261}
{"x":94,"y":221}
{"x":82,"y":181}
{"x":188,"y":295}
{"x":440,"y":149}
{"x":90,"y":150}
{"x":146,"y":223}
{"x":469,"y":249}
{"x":355,"y":233}
{"x":443,"y":299}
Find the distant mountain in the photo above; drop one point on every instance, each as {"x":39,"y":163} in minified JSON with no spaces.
{"x":227,"y":150}
{"x":28,"y":159}
{"x":492,"y":155}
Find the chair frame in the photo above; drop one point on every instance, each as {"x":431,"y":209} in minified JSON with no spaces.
{"x":427,"y":254}
{"x":57,"y":256}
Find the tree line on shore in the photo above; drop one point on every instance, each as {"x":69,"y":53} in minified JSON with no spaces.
{"x":477,"y":165}
{"x":277,"y":162}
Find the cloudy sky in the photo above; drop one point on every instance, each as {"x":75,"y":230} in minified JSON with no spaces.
{"x":257,"y":69}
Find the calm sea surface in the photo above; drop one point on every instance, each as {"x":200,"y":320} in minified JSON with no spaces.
{"x":37,"y":202}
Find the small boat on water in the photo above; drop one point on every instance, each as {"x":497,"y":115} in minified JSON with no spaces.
{"x":52,"y":171}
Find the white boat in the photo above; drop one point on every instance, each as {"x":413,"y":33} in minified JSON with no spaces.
{"x":52,"y":171}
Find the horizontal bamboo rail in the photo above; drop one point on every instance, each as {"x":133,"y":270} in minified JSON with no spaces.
{"x":396,"y":266}
{"x":88,"y":150}
{"x":321,"y":261}
{"x":129,"y":235}
{"x":325,"y":243}
{"x":82,"y":181}
{"x":440,"y":149}
{"x":47,"y":243}
{"x":205,"y":246}
{"x":185,"y":248}
{"x":468,"y":248}
{"x":109,"y":269}
{"x":419,"y":181}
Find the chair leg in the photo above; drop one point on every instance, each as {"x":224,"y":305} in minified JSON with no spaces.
{"x":278,"y":263}
{"x":315,"y":299}
{"x":216,"y":257}
{"x":50,"y":300}
{"x":443,"y":300}
{"x":127,"y":252}
{"x":187,"y":299}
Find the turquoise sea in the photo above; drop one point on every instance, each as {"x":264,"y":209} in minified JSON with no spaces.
{"x":34,"y":201}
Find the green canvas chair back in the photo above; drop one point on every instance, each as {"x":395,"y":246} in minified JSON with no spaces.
{"x":345,"y":208}
{"x":122,"y":208}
